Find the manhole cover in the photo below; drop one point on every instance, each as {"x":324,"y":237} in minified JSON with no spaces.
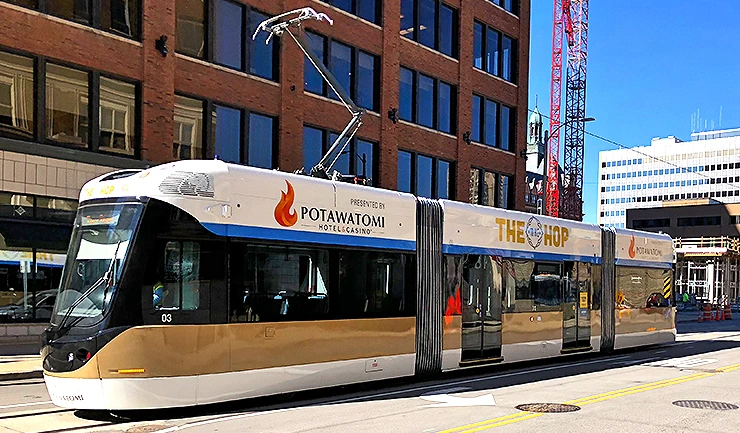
{"x":548,"y":407}
{"x":705,"y":404}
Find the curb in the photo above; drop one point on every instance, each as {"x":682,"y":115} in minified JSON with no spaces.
{"x":36,"y":374}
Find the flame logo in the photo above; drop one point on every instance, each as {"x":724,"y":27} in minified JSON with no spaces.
{"x":632,"y":252}
{"x":284,"y":215}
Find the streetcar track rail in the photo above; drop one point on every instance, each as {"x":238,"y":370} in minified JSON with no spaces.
{"x":70,"y":429}
{"x":18,"y":382}
{"x":32,"y":414}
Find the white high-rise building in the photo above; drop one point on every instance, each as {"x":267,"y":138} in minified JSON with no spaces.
{"x":708,"y":166}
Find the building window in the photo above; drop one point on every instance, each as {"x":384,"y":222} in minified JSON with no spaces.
{"x":358,"y":158}
{"x":444,"y":114}
{"x":340,"y":65}
{"x":188,"y":134}
{"x":190,"y":28}
{"x":68,"y":98}
{"x":477,"y":125}
{"x":698,"y":221}
{"x":493,"y":123}
{"x":26,"y":3}
{"x":424,"y":176}
{"x":226,"y":133}
{"x":116,"y":16}
{"x":364,"y":159}
{"x":233,"y":134}
{"x":369,"y":10}
{"x":508,"y":5}
{"x":120,"y":16}
{"x":406,"y":95}
{"x":407,"y":19}
{"x":491,"y":189}
{"x":490,"y":124}
{"x":494,"y":52}
{"x":66,"y":105}
{"x":75,"y":10}
{"x":427,"y":101}
{"x":356,"y":71}
{"x":404,"y":171}
{"x":508,"y":128}
{"x":117,"y":116}
{"x":16,"y":96}
{"x":367,"y":77}
{"x":313,"y":82}
{"x":229,"y":43}
{"x":432,"y":24}
{"x":229,"y":34}
{"x":261,"y":141}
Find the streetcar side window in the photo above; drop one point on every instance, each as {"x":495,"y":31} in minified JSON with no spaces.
{"x":184,"y":275}
{"x":373,"y":284}
{"x":643,"y":287}
{"x":271,"y":284}
{"x":531,"y":286}
{"x":596,"y":287}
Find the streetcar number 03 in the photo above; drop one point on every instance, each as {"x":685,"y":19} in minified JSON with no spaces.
{"x":166,"y":318}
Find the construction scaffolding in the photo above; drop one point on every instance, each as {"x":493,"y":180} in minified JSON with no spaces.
{"x":707,"y":268}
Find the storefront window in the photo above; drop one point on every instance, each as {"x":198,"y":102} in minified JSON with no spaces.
{"x":28,"y":284}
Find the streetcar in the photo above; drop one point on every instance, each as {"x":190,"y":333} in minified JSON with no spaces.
{"x":198,"y":282}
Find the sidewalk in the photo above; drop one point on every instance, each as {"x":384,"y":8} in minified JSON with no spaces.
{"x":20,"y":367}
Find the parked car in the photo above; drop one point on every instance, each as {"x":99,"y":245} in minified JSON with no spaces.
{"x":44,"y":306}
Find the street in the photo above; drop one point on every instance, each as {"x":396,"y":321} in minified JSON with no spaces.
{"x":647,"y":390}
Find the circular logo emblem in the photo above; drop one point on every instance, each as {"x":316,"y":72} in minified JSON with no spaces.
{"x":533,"y":232}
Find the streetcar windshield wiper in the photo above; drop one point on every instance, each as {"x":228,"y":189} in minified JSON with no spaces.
{"x":102,"y":280}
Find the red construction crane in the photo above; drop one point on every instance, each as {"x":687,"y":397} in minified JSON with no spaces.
{"x":571,"y":17}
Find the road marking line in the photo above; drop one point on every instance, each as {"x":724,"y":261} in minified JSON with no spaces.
{"x":627,"y":391}
{"x":729,"y":368}
{"x":510,"y":419}
{"x":506,"y":418}
{"x":502,"y":423}
{"x":25,"y":404}
{"x":636,"y":387}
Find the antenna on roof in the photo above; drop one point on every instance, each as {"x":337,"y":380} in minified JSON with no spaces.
{"x":282,"y":23}
{"x":720,"y":117}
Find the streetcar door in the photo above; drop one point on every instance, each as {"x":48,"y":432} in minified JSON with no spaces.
{"x":481,"y":309}
{"x":576,"y":284}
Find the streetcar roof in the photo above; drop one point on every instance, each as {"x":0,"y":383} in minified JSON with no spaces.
{"x":242,"y":201}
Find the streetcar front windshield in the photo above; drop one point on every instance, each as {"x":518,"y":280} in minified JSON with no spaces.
{"x":100,"y":241}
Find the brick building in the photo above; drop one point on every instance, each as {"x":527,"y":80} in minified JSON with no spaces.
{"x":90,"y":86}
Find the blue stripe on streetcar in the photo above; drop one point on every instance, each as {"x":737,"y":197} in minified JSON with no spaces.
{"x":643,"y":263}
{"x":533,"y":255}
{"x":309,"y":237}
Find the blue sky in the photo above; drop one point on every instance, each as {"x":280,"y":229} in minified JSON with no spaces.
{"x":651,"y":65}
